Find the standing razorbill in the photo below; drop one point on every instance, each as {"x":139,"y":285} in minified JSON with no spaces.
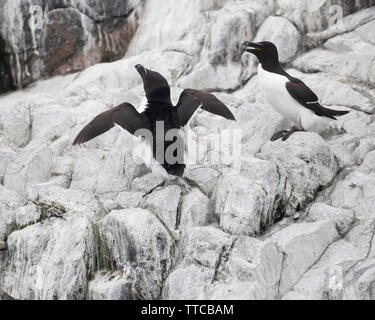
{"x":159,"y":111}
{"x":287,"y":95}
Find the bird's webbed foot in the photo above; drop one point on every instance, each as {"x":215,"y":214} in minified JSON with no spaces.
{"x":183,"y":182}
{"x":292,"y":130}
{"x":278,"y":135}
{"x":285,"y":134}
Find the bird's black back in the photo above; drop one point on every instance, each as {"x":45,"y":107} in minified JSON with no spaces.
{"x":166,"y":118}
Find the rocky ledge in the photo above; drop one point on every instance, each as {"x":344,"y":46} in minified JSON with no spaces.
{"x":296,"y":221}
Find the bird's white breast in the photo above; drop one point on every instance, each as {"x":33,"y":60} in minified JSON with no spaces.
{"x":143,"y":105}
{"x":275,"y":93}
{"x":150,"y":161}
{"x":143,"y":151}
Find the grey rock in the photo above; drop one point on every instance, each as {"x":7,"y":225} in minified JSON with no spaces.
{"x":139,"y":244}
{"x":15,"y":122}
{"x":275,"y":29}
{"x":309,"y":164}
{"x":46,"y":38}
{"x":9,"y":202}
{"x":146,"y":183}
{"x":4,"y":296}
{"x":164,"y":203}
{"x":187,"y":283}
{"x":29,"y":166}
{"x":193,"y":277}
{"x":240,"y":204}
{"x":344,"y":219}
{"x":204,"y":246}
{"x":129,"y":199}
{"x":220,"y":267}
{"x":249,"y":271}
{"x":355,"y":191}
{"x":205,"y":177}
{"x":319,"y":15}
{"x":361,"y":284}
{"x":7,"y":155}
{"x":110,"y":286}
{"x":27,"y":215}
{"x":286,"y":220}
{"x":358,"y":60}
{"x":293,"y":242}
{"x":70,"y":200}
{"x":61,"y":255}
{"x":195,"y":210}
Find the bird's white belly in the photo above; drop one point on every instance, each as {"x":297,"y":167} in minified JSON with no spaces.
{"x":143,"y":151}
{"x":275,"y":93}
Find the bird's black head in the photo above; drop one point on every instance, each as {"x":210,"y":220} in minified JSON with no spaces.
{"x":156,"y":86}
{"x":265,"y":51}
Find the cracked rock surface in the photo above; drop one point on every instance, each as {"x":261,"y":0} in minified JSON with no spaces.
{"x":296,"y":221}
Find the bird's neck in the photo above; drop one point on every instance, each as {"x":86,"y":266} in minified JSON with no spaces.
{"x":158,"y":110}
{"x":273,"y":66}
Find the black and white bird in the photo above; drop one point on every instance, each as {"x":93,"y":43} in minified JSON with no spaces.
{"x":287,"y":95}
{"x":159,"y":110}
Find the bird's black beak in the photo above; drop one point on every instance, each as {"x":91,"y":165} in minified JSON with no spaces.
{"x":252,"y":47}
{"x":141,"y":70}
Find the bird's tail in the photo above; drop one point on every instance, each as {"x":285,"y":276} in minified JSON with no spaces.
{"x":176,"y":169}
{"x":339,"y":113}
{"x":332,"y":113}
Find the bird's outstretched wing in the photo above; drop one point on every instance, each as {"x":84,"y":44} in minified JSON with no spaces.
{"x":303,"y":94}
{"x":191,"y":99}
{"x":124,"y":115}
